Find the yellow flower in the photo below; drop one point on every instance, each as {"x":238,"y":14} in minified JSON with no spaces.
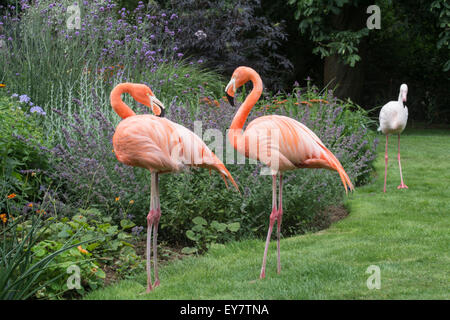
{"x":2,"y":85}
{"x":3,"y":217}
{"x":131,"y":201}
{"x":117,"y":199}
{"x":112,"y":151}
{"x":30,"y":205}
{"x":12,"y":195}
{"x":83,"y":251}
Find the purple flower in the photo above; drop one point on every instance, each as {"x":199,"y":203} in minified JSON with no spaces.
{"x":24,"y":98}
{"x":137,"y":230}
{"x":38,"y":110}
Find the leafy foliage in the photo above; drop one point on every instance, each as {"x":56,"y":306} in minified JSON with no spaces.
{"x":20,"y":130}
{"x":95,"y":241}
{"x":226,"y":34}
{"x":442,"y":9}
{"x":39,"y":253}
{"x":204,"y":234}
{"x":20,"y":266}
{"x":405,"y":51}
{"x":330,"y":35}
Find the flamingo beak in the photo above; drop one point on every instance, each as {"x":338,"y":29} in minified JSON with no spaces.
{"x":230,"y":99}
{"x":230,"y":84}
{"x":154,"y":100}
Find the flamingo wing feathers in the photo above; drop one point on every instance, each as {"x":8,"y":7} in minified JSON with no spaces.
{"x":296,"y":147}
{"x":161,"y":145}
{"x":393,"y":117}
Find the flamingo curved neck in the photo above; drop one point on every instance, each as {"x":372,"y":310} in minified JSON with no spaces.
{"x":241,"y":116}
{"x":120,"y":107}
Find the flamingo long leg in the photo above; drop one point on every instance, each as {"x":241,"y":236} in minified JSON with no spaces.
{"x":385,"y":163}
{"x":402,"y":185}
{"x":279,"y":218}
{"x":155,"y":229}
{"x":150,"y":222}
{"x":149,"y":271}
{"x":149,"y":234}
{"x":273,"y":217}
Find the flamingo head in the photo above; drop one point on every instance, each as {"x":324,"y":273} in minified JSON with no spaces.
{"x":403,"y":92}
{"x":143,"y":94}
{"x":238,"y":79}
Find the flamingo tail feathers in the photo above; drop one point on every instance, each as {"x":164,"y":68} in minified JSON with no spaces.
{"x":334,"y":164}
{"x":226,"y":174}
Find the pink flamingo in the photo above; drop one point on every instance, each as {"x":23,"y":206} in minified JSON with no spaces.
{"x":393,"y":118}
{"x":296,"y":147}
{"x":159,"y":145}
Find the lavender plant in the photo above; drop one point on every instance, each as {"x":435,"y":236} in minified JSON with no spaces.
{"x":47,"y":52}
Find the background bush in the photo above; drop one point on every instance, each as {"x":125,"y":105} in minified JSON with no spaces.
{"x":226,"y":34}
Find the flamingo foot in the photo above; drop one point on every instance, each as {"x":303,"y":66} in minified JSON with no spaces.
{"x":149,"y":288}
{"x":156,"y":284}
{"x":263,"y":274}
{"x":402,"y":186}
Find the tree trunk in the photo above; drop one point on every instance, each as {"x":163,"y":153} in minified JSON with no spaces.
{"x":348,"y":81}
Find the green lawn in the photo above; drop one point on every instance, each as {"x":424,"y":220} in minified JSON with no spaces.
{"x":404,"y":232}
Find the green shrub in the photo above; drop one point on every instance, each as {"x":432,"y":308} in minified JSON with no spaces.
{"x":105,"y":244}
{"x":21,"y":136}
{"x":21,"y":268}
{"x":204,"y":234}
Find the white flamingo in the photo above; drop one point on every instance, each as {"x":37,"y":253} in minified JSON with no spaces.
{"x":393,"y":117}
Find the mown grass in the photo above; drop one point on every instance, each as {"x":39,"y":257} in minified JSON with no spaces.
{"x":404,"y":232}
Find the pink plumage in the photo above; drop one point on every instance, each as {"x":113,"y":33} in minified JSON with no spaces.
{"x":163,"y":146}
